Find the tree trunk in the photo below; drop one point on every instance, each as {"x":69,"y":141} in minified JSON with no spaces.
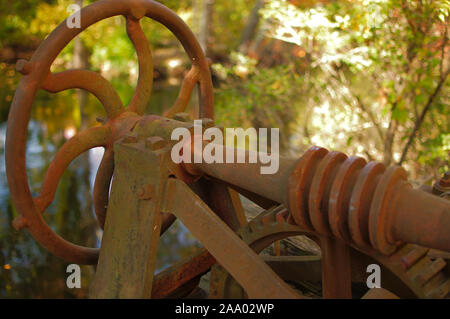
{"x":81,"y":61}
{"x":250,"y":28}
{"x":206,"y":23}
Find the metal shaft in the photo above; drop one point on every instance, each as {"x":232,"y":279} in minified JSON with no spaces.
{"x":335,"y":195}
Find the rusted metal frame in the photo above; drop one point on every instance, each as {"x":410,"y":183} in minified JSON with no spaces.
{"x":385,"y":214}
{"x":426,"y":222}
{"x":167,"y":221}
{"x":238,"y":208}
{"x":169,"y":280}
{"x":120,"y":126}
{"x":154,"y":125}
{"x":101,"y":192}
{"x":132,"y":229}
{"x":259,"y":200}
{"x":409,"y":267}
{"x":216,"y":195}
{"x":409,"y":272}
{"x":230,"y":251}
{"x":289,"y":268}
{"x":269,"y":226}
{"x":35,"y":73}
{"x":269,"y":186}
{"x":145,"y":81}
{"x":89,"y":81}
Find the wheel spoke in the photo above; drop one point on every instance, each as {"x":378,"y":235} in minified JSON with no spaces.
{"x":101,"y":186}
{"x":89,"y":81}
{"x":145,"y":81}
{"x":184,"y":96}
{"x":83,"y":141}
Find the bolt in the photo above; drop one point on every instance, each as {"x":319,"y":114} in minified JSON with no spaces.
{"x":155,"y":142}
{"x":146,"y":192}
{"x":19,"y":222}
{"x":182,"y":117}
{"x":445,"y":180}
{"x":23,"y":66}
{"x":130,"y":139}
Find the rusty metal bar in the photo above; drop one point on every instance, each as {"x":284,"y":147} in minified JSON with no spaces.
{"x":364,"y":198}
{"x":248,"y":175}
{"x":145,"y":81}
{"x":248,"y":269}
{"x":89,"y":81}
{"x":426,"y":220}
{"x":81,"y":142}
{"x":184,"y":95}
{"x":169,"y":280}
{"x":336,"y":269}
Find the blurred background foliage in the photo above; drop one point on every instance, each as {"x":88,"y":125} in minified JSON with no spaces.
{"x":366,"y":77}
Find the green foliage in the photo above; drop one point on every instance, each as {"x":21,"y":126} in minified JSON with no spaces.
{"x":258,"y":97}
{"x":15,"y":17}
{"x":372,"y":68}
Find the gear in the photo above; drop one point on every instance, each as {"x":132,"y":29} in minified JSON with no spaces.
{"x":410,"y":270}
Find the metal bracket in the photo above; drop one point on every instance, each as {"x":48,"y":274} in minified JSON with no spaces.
{"x":141,"y":190}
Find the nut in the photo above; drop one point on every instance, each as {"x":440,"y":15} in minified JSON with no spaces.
{"x":146,"y":192}
{"x":20,"y":222}
{"x":23,"y":66}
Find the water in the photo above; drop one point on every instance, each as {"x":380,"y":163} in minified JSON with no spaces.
{"x":27,"y":270}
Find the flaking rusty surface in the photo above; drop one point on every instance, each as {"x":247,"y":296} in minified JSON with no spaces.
{"x":338,"y":201}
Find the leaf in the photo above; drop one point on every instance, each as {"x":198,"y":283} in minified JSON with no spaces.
{"x":400,"y":114}
{"x":419,"y":99}
{"x":349,"y":140}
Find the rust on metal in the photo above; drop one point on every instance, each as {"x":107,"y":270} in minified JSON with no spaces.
{"x":357,"y":211}
{"x":37,"y":75}
{"x":392,"y":211}
{"x":179,"y":274}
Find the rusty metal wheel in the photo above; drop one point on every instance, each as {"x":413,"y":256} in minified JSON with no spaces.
{"x":410,"y":271}
{"x":37,"y":75}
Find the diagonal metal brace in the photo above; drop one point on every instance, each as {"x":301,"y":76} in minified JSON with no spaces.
{"x":252,"y":273}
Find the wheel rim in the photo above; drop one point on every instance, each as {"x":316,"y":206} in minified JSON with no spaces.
{"x":37,"y":70}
